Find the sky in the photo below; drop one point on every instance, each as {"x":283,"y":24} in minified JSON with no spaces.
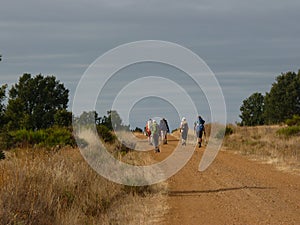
{"x":246,"y":44}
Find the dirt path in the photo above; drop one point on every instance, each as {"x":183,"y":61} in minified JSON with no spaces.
{"x":233,"y":190}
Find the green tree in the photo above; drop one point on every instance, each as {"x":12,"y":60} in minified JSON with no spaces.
{"x":112,"y":121}
{"x":252,"y":110}
{"x":63,"y":118}
{"x":34,"y":101}
{"x":283,"y":100}
{"x":2,"y":106}
{"x":87,"y":118}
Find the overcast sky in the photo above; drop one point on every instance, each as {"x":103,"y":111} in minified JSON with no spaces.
{"x":245,"y":43}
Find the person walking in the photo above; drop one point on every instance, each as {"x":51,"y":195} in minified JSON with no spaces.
{"x":148,"y":131}
{"x":155,"y":135}
{"x":199,"y":129}
{"x":164,"y":129}
{"x":184,"y":129}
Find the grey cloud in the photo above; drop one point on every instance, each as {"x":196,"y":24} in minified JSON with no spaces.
{"x":246,"y":43}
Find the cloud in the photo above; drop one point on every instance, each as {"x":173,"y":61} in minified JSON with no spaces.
{"x":246,"y":43}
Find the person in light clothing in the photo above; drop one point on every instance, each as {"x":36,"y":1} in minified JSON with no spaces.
{"x":184,"y":128}
{"x":155,"y":131}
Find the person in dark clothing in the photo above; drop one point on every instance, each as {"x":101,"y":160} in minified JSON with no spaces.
{"x":199,"y":130}
{"x":164,"y":128}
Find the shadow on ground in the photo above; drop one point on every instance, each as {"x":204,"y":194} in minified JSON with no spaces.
{"x":198,"y":192}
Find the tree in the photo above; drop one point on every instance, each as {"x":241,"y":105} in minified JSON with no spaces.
{"x":87,"y":118}
{"x":2,"y":106}
{"x":34,"y":101}
{"x":63,"y":118}
{"x":113,"y":121}
{"x":252,"y":110}
{"x":283,"y":101}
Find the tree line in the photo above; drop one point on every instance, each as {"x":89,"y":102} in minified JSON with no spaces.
{"x":40,"y":102}
{"x":281,"y":103}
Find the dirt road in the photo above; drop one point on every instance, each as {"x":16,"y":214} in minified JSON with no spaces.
{"x":233,"y":190}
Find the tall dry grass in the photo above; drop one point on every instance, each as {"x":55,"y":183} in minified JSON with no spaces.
{"x":42,"y":187}
{"x":263,"y":143}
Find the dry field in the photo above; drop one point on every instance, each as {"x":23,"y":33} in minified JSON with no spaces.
{"x":242,"y":186}
{"x":262,"y":143}
{"x":39,"y":186}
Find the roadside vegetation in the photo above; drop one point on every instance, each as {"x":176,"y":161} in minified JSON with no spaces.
{"x":45,"y":180}
{"x":43,"y":177}
{"x":282,"y":102}
{"x":269,"y":143}
{"x":46,"y":187}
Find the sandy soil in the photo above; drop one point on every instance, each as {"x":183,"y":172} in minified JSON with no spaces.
{"x":233,"y":190}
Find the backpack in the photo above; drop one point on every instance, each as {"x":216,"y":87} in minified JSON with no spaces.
{"x":147,"y":127}
{"x":154,"y":129}
{"x":199,"y":126}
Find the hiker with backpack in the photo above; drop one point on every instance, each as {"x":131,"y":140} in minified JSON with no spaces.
{"x":164,"y":128}
{"x":155,"y":131}
{"x":184,"y":129}
{"x":199,"y":130}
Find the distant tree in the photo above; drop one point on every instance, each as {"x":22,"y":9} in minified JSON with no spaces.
{"x":252,"y":110}
{"x":87,"y":118}
{"x":138,"y":130}
{"x":283,"y":100}
{"x":112,"y":120}
{"x":2,"y":106}
{"x":34,"y":101}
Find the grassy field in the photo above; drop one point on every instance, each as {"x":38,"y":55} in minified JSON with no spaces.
{"x":39,"y":186}
{"x":265,"y":144}
{"x":43,"y":186}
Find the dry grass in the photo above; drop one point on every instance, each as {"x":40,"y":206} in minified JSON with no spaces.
{"x":263,"y":143}
{"x":42,"y":187}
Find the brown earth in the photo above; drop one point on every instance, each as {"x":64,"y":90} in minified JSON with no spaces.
{"x":233,"y":190}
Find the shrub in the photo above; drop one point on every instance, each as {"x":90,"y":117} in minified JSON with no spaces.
{"x":2,"y":155}
{"x":59,"y":136}
{"x":289,"y":131}
{"x":228,"y":131}
{"x":105,"y":134}
{"x":173,"y":131}
{"x":138,"y":130}
{"x":51,"y":137}
{"x":6,"y":140}
{"x":294,"y":121}
{"x":224,"y":132}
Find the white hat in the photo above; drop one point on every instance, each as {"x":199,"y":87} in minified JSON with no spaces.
{"x":183,"y":119}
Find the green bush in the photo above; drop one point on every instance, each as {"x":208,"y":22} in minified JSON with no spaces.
{"x":224,"y":132}
{"x":228,"y":131}
{"x":105,"y":134}
{"x":2,"y":155}
{"x":51,"y":137}
{"x":289,"y":131}
{"x":295,"y":121}
{"x":59,"y":136}
{"x":6,"y":140}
